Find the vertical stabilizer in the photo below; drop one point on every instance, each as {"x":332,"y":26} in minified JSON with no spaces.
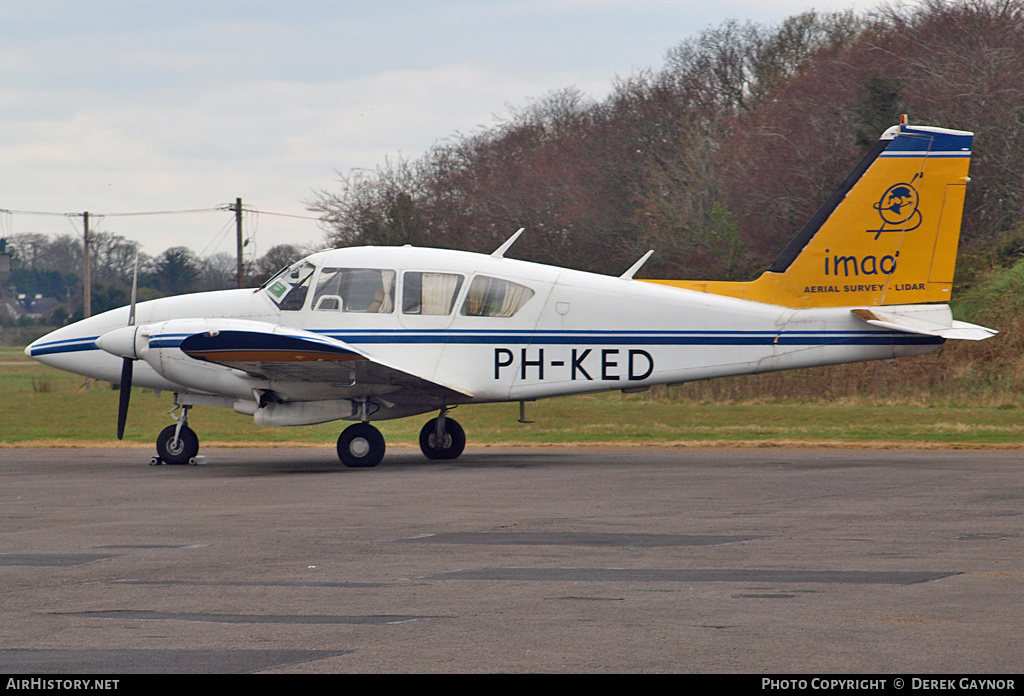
{"x":887,"y":236}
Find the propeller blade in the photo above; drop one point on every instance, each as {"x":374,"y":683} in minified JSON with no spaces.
{"x":126,"y":366}
{"x":125,"y":394}
{"x":135,"y":290}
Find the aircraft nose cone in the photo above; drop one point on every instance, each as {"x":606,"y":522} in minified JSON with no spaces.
{"x":119,"y":342}
{"x":42,"y":346}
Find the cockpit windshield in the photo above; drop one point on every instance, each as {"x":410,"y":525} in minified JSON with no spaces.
{"x":288,"y":288}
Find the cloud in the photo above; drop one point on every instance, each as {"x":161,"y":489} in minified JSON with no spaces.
{"x":117,"y":106}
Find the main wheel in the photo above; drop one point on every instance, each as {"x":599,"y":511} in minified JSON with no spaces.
{"x":360,"y":445}
{"x":448,"y":446}
{"x":180,"y":451}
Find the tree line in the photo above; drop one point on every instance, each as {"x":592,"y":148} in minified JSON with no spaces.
{"x":51,"y":266}
{"x":717,"y":159}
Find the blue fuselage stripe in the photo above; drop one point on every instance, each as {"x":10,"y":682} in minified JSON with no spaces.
{"x":611,"y":338}
{"x":645,"y":338}
{"x":74,"y":345}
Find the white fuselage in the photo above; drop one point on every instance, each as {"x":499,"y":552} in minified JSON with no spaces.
{"x":569,"y":332}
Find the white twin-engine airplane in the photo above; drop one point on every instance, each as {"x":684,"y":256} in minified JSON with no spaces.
{"x":374,"y":333}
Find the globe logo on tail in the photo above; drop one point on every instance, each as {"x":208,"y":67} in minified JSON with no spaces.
{"x":898,"y":208}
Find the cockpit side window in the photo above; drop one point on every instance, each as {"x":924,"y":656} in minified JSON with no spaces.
{"x":367,"y":290}
{"x":288,"y":288}
{"x":494,"y":297}
{"x":430,"y":293}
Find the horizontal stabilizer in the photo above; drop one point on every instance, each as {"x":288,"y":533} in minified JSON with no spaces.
{"x":961,"y":330}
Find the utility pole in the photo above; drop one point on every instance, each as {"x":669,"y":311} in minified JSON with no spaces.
{"x":238,"y":237}
{"x":87,"y":280}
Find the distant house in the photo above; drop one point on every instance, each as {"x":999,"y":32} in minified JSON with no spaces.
{"x":34,"y":307}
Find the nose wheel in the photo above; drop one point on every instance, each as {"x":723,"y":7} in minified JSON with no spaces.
{"x":177,"y":448}
{"x":177,"y":444}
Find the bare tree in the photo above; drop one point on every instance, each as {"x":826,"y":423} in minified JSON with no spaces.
{"x":278,"y":257}
{"x":217,"y":272}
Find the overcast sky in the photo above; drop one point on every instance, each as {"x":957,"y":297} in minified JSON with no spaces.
{"x":126,"y":106}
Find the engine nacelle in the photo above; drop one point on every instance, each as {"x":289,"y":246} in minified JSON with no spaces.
{"x":158,"y":345}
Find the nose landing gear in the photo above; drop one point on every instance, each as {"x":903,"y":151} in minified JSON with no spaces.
{"x":177,"y":444}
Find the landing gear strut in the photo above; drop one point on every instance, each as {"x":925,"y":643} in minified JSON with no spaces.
{"x":442,"y":438}
{"x":177,"y":444}
{"x":361,"y":445}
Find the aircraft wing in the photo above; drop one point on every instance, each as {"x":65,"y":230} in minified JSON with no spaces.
{"x":909,"y":323}
{"x":281,"y":354}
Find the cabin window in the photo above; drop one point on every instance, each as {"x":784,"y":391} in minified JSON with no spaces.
{"x":366,"y":290}
{"x":430,"y":293}
{"x":494,"y":297}
{"x":288,"y":288}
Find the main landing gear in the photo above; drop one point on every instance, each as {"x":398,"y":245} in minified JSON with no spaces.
{"x":361,"y":445}
{"x":442,"y":438}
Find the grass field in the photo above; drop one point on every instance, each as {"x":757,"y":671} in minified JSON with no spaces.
{"x":40,"y":406}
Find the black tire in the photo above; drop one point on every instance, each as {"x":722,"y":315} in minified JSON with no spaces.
{"x":180,"y":452}
{"x":452,"y":442}
{"x":361,"y":446}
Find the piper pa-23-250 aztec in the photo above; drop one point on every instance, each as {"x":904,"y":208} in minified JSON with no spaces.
{"x":373,"y":333}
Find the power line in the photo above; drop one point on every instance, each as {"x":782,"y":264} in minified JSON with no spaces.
{"x":230,"y":207}
{"x":287,"y":215}
{"x":237,"y":209}
{"x":218,"y":238}
{"x":227,"y":207}
{"x":35,"y":212}
{"x":164,"y":212}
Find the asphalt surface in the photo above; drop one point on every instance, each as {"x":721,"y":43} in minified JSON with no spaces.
{"x":534,"y":560}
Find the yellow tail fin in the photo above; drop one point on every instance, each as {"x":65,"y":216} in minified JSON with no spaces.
{"x":888,"y":235}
